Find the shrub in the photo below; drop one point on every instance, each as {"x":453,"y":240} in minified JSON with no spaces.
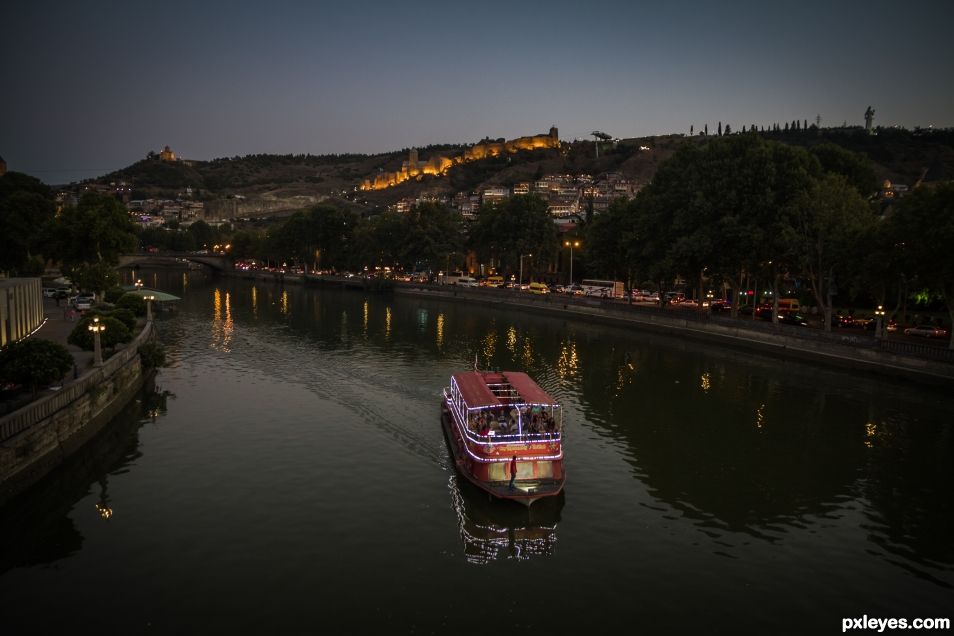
{"x":132,"y":302}
{"x":113,"y":294}
{"x":153,"y":355}
{"x":115,"y":333}
{"x":125,"y":316}
{"x":34,"y":362}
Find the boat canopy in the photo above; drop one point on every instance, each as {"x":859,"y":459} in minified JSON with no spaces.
{"x":485,"y":389}
{"x":529,"y":391}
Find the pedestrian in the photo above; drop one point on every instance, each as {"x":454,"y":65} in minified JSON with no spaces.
{"x":513,"y":471}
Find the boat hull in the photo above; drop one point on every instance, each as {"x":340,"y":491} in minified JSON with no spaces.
{"x":525,"y":491}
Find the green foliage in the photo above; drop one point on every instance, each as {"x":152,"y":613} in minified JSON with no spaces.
{"x":132,"y":302}
{"x":923,"y":226}
{"x":113,"y":294}
{"x":98,"y":230}
{"x":26,"y":212}
{"x":824,"y":235}
{"x":115,"y":332}
{"x":153,"y":355}
{"x":34,"y":362}
{"x":319,"y":238}
{"x":516,"y":226}
{"x":94,"y":277}
{"x":124,"y":315}
{"x":856,"y":168}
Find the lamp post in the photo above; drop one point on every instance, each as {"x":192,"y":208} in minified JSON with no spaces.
{"x":571,"y":245}
{"x":138,"y":284}
{"x":97,"y":329}
{"x":879,"y":312}
{"x":522,"y":256}
{"x":149,"y":300}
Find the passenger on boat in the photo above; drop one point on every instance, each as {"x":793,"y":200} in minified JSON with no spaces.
{"x":513,"y":471}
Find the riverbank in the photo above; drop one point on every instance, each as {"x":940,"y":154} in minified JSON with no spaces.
{"x":853,"y":349}
{"x":39,"y":436}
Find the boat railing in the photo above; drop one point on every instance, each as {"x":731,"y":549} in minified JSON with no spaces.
{"x":513,"y":438}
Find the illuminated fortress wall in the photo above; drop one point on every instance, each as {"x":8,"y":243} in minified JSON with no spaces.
{"x":439,"y":164}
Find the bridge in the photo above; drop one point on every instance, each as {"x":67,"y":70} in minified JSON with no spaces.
{"x":215,"y":261}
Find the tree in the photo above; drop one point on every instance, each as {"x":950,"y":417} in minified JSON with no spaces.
{"x":34,"y":362}
{"x":517,"y":226}
{"x":925,"y":222}
{"x":828,"y":221}
{"x":720,"y":129}
{"x":717,"y":210}
{"x":321,"y":236}
{"x":728,"y":129}
{"x":857,"y":168}
{"x":90,"y":238}
{"x":611,"y":240}
{"x":26,"y":210}
{"x":434,"y":230}
{"x":202,"y":233}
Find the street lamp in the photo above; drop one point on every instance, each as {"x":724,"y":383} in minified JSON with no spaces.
{"x":97,"y":329}
{"x":879,"y":312}
{"x":521,"y":267}
{"x":149,"y":300}
{"x":138,"y":284}
{"x":571,"y":245}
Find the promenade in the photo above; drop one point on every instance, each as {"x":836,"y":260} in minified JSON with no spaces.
{"x":57,"y":328}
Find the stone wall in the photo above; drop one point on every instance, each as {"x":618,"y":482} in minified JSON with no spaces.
{"x":38,"y":437}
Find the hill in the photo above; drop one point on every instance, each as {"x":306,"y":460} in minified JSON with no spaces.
{"x":896,"y":154}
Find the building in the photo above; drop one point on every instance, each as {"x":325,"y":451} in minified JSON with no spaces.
{"x":21,"y":308}
{"x":167,"y":155}
{"x":439,"y":164}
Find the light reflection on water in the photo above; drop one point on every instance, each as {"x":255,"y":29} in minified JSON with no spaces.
{"x":693,"y":472}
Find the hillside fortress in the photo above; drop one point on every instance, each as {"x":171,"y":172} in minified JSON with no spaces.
{"x":439,"y":164}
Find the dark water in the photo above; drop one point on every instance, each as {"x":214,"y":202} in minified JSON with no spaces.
{"x":288,"y":475}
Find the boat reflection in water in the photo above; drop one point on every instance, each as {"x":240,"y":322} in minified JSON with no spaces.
{"x":490,"y":531}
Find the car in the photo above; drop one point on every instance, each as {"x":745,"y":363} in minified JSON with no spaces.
{"x":84,"y":302}
{"x":892,"y":326}
{"x":839,"y":320}
{"x":539,"y":288}
{"x":49,"y":292}
{"x":785,"y":317}
{"x":720,"y":306}
{"x":926,"y":331}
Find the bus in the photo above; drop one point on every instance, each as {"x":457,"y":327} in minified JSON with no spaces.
{"x":604,"y":288}
{"x":449,"y":278}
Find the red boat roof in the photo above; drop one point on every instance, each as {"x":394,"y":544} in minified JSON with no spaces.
{"x":473,"y":388}
{"x":475,"y":392}
{"x":529,"y":390}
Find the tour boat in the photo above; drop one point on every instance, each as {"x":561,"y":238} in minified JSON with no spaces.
{"x":492,"y":417}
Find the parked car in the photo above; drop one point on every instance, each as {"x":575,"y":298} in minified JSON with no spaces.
{"x":49,"y":292}
{"x":84,"y":302}
{"x":785,"y":317}
{"x":926,"y":331}
{"x":839,"y":320}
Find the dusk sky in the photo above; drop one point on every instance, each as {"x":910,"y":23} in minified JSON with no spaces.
{"x":91,"y":87}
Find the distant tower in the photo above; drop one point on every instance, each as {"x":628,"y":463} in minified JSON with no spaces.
{"x":869,"y":115}
{"x":412,"y":160}
{"x":3,"y":167}
{"x":554,"y":133}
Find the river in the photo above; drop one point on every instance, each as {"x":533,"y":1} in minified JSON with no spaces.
{"x":288,"y":474}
